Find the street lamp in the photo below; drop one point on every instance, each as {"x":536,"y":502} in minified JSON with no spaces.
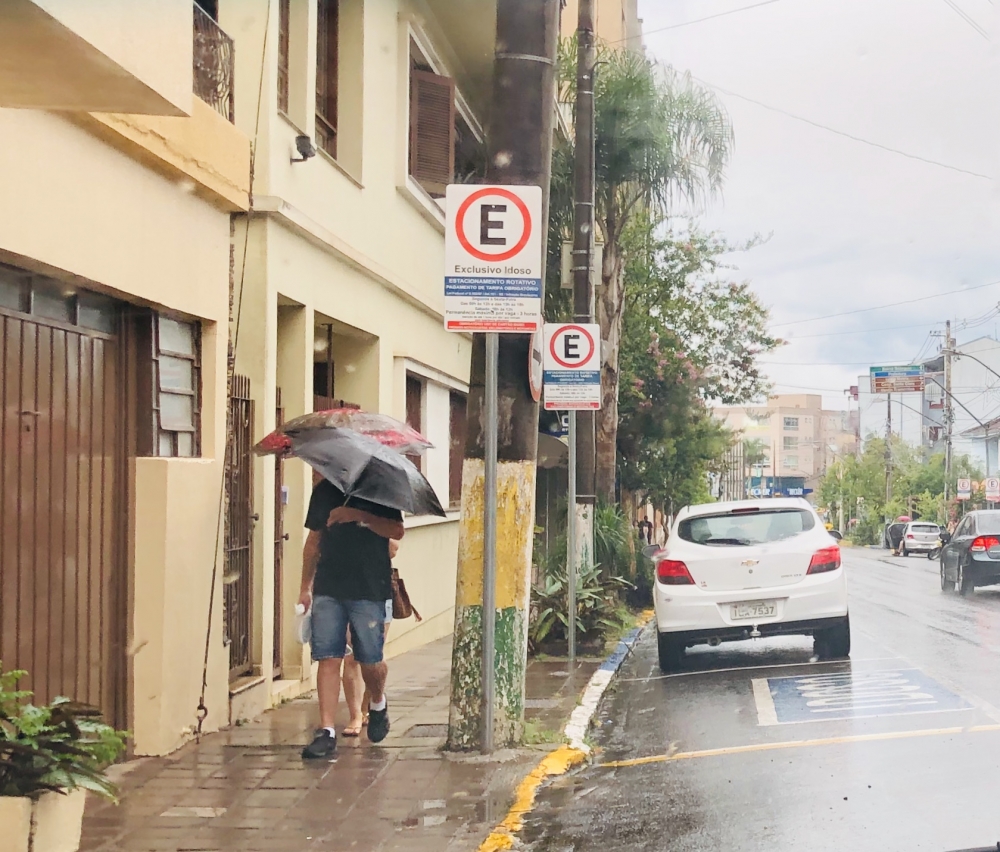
{"x":956,"y":354}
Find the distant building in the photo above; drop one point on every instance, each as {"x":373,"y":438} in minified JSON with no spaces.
{"x":797,"y":438}
{"x":616,"y":22}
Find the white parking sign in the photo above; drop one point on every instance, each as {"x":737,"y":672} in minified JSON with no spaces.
{"x":572,"y":361}
{"x":493,"y":258}
{"x":992,"y":489}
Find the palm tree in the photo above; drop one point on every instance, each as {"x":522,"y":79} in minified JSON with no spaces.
{"x":660,"y":139}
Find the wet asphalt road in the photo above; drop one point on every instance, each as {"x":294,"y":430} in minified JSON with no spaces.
{"x":754,"y":746}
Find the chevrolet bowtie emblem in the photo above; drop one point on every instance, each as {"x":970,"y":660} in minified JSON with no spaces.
{"x":749,"y":563}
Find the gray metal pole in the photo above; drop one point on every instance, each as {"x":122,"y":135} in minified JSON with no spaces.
{"x":571,"y":541}
{"x":583,"y":236}
{"x":490,"y":541}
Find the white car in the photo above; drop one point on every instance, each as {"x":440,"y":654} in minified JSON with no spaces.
{"x":747,"y":569}
{"x":920,"y":537}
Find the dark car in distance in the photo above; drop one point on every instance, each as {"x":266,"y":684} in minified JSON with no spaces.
{"x":971,"y":556}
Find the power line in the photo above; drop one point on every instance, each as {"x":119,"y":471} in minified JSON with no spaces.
{"x":857,"y":331}
{"x":887,"y":305}
{"x":951,"y":4}
{"x":844,"y":133}
{"x":869,"y":362}
{"x":697,"y":20}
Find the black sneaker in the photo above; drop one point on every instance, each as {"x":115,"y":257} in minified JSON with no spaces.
{"x":324,"y":745}
{"x":378,"y":724}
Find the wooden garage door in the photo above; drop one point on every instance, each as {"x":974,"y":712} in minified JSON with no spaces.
{"x":61,"y":480}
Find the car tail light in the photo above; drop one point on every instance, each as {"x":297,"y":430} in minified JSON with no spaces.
{"x":670,"y":572}
{"x":984,"y":542}
{"x":827,"y":559}
{"x":910,"y":535}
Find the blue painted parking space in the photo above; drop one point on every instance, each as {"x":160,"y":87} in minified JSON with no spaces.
{"x":855,"y":695}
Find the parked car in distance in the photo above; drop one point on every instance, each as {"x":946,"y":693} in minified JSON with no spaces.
{"x":919,"y":537}
{"x":971,"y":556}
{"x":747,"y":569}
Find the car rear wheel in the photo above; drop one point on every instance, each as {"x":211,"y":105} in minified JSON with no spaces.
{"x":964,"y":584}
{"x":670,"y":651}
{"x":905,"y":552}
{"x":834,"y":643}
{"x":946,"y":584}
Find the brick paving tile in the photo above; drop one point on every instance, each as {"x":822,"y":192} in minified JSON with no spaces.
{"x":404,"y":795}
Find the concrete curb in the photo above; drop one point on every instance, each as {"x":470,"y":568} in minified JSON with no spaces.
{"x":567,"y":756}
{"x":579,"y":723}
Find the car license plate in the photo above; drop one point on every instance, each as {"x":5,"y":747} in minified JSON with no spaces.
{"x":754,"y":609}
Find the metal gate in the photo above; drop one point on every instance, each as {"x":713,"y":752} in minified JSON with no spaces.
{"x":240,"y":517}
{"x":280,"y":537}
{"x":63,"y":597}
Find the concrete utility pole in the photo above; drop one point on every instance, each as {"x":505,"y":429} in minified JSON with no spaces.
{"x":949,"y":412}
{"x":519,"y":143}
{"x":580,"y":530}
{"x":888,"y":451}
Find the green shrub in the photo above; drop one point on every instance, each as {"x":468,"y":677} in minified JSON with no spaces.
{"x":597,"y":605}
{"x":59,"y":747}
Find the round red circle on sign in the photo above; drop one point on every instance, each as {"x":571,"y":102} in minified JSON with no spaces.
{"x":552,"y":346}
{"x":460,"y":224}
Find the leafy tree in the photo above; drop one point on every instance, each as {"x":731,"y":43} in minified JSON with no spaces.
{"x":659,"y":138}
{"x":688,"y":335}
{"x":917,"y":486}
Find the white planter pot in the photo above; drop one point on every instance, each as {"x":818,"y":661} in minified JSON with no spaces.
{"x":50,"y":823}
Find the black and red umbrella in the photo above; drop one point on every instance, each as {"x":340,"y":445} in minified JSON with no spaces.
{"x":387,"y":430}
{"x":362,"y":454}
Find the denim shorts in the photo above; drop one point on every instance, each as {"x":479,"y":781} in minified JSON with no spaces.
{"x":330,"y":620}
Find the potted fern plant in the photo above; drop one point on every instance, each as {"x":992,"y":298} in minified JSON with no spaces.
{"x":50,"y":756}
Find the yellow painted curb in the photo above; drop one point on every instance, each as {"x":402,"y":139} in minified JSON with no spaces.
{"x":555,"y":763}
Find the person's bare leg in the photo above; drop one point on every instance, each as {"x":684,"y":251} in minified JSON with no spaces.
{"x":353,"y":688}
{"x":368,"y":695}
{"x":328,"y":690}
{"x":374,"y":675}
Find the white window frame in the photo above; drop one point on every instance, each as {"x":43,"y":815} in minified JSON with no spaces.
{"x":431,"y":376}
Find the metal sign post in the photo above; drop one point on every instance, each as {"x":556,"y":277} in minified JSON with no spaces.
{"x":571,"y":543}
{"x":493,"y":284}
{"x":572,"y":382}
{"x":490,"y":541}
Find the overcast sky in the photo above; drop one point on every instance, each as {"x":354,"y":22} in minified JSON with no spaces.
{"x":853,"y":226}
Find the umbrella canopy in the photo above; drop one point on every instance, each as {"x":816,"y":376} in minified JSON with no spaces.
{"x":385,"y":429}
{"x":362,"y":467}
{"x":903,"y":519}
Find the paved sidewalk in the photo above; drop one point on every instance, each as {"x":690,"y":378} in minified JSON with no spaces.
{"x":248,"y":789}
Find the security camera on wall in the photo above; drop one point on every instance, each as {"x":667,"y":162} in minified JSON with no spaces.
{"x":304,"y":145}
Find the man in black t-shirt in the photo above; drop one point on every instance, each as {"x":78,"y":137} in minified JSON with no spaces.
{"x":346,"y":580}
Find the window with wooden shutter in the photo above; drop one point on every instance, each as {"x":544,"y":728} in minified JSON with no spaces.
{"x":284,"y":24}
{"x":415,"y":411}
{"x":327,"y":69}
{"x":456,"y":449}
{"x":432,"y":127}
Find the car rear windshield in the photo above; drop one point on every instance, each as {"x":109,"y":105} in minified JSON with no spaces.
{"x":924,"y":528}
{"x":743,"y":529}
{"x":988,"y":522}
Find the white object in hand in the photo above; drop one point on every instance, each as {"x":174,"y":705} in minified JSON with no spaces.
{"x":303,"y":624}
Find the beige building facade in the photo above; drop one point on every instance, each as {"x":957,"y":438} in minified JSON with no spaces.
{"x":120,"y":188}
{"x":796,"y":436}
{"x":144,"y":240}
{"x":616,"y":22}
